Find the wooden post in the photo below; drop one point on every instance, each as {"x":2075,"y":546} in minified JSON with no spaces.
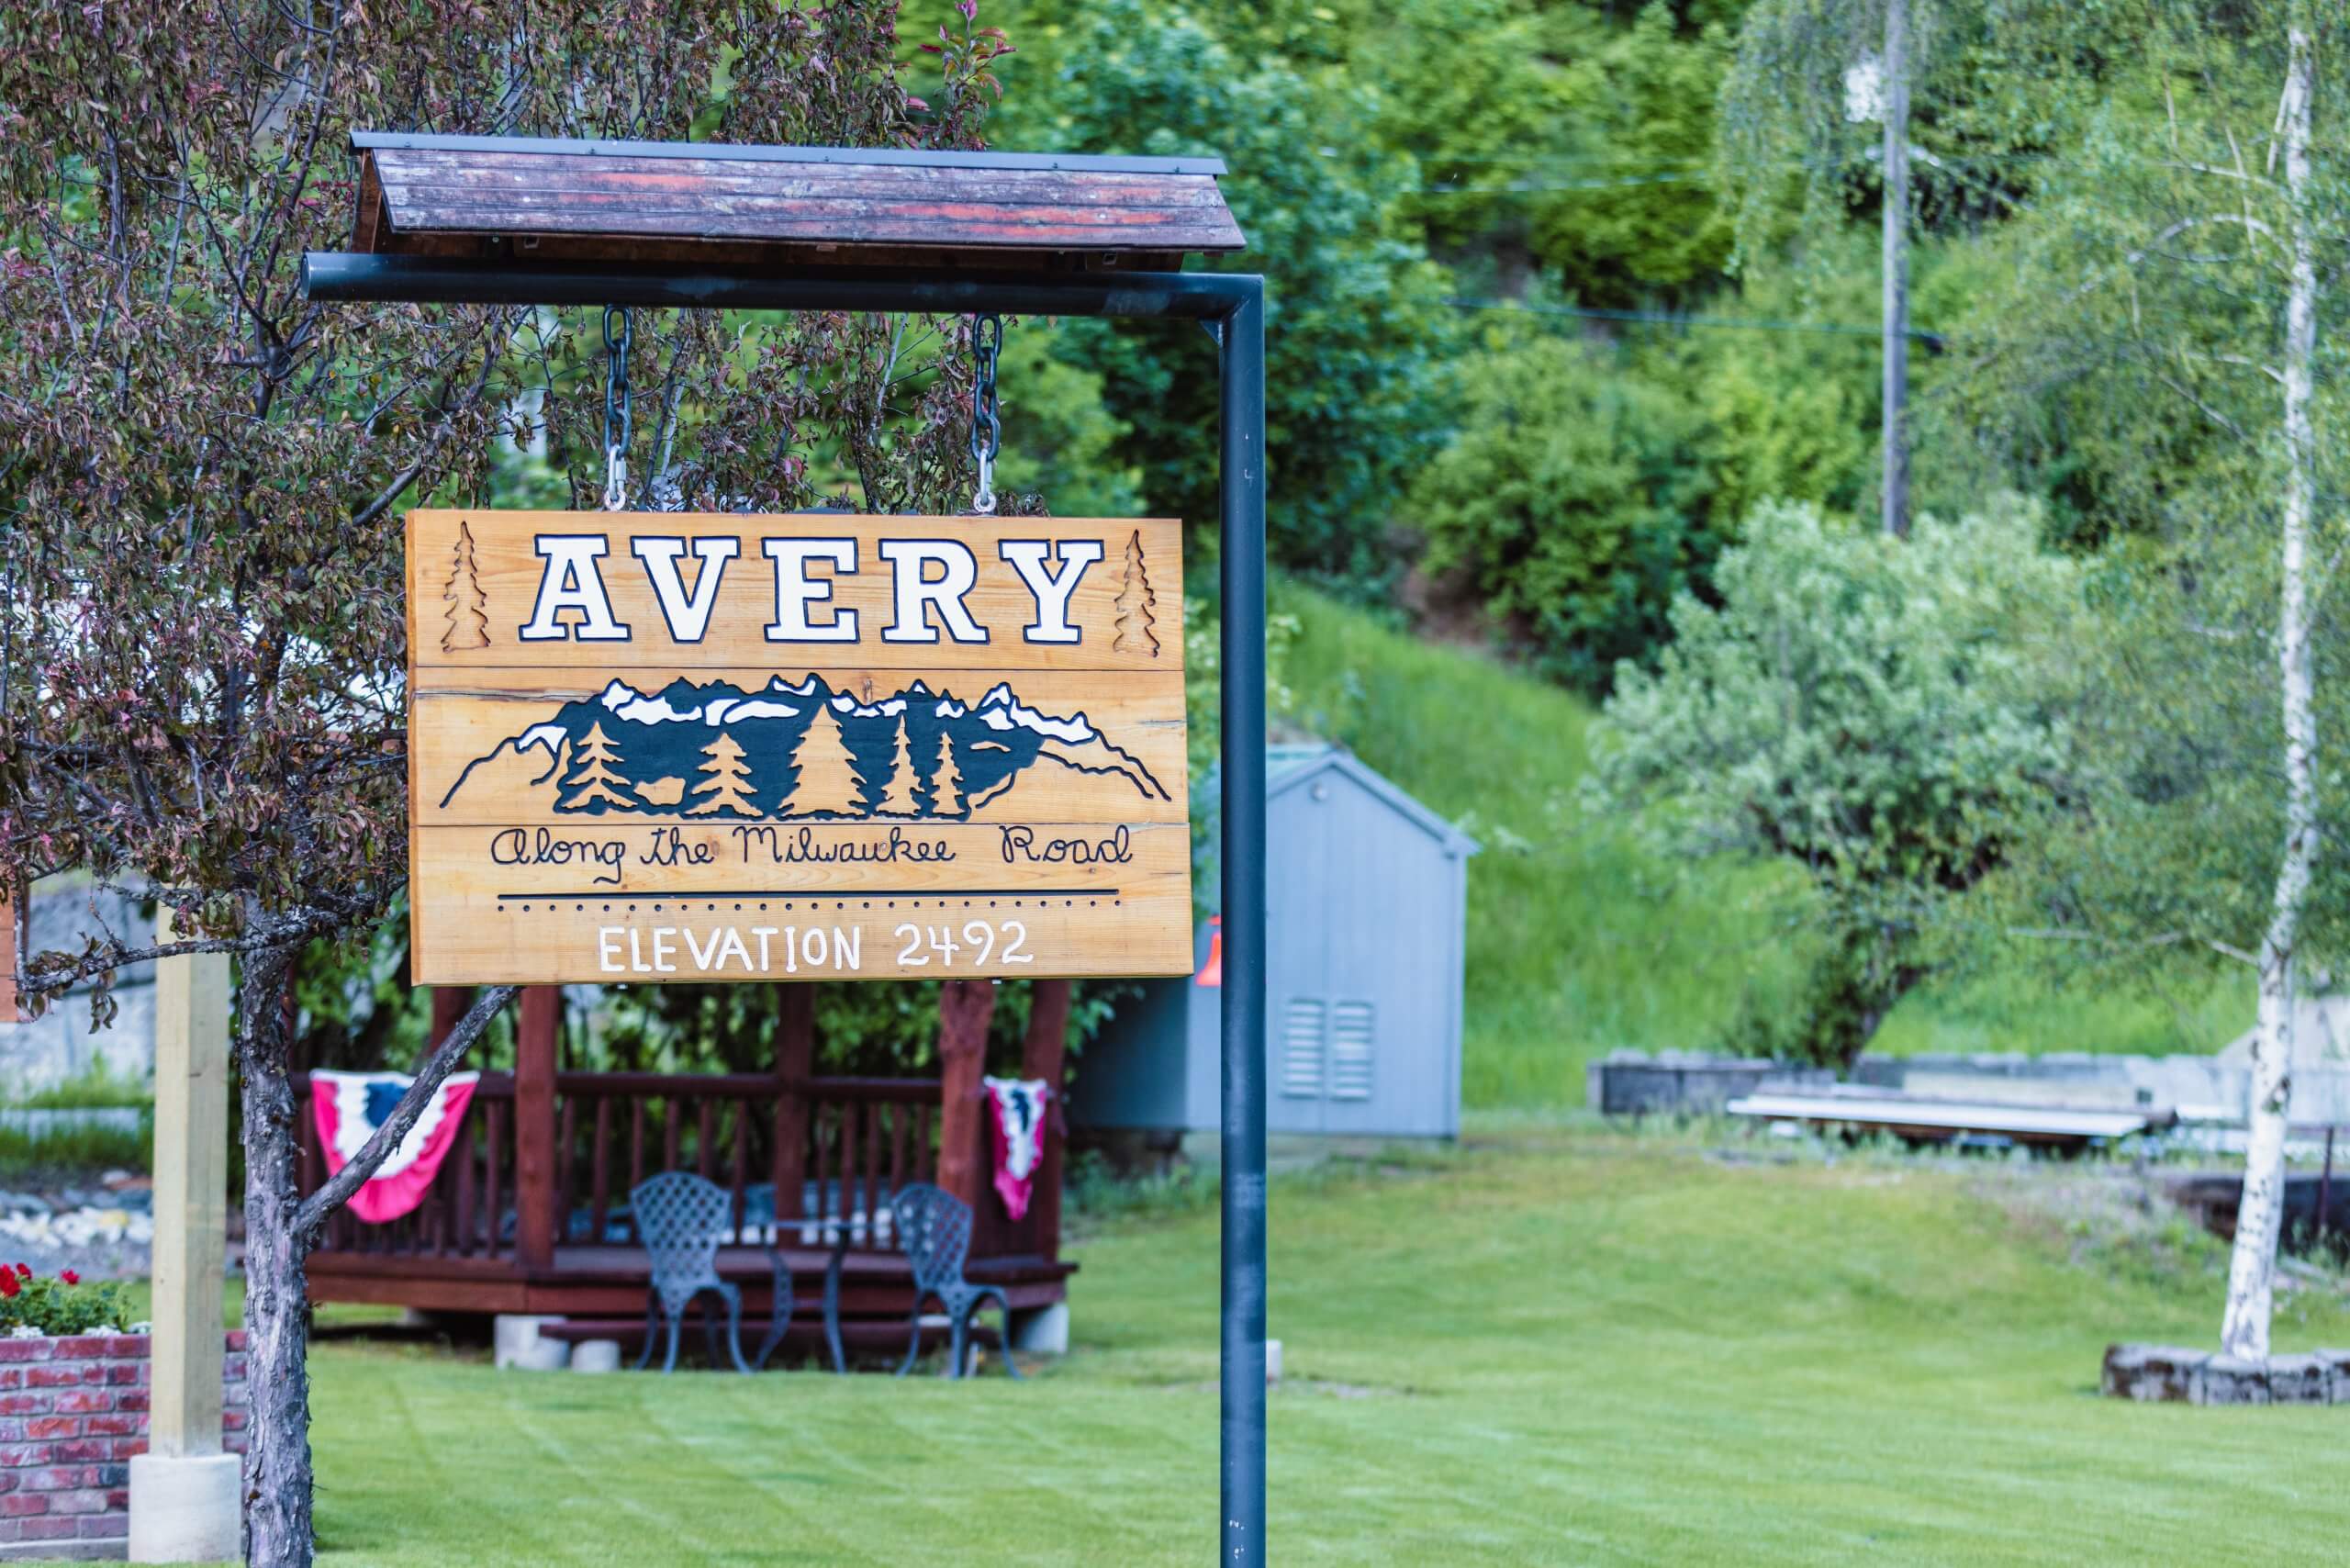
{"x":795,"y":1062}
{"x":190,"y":1200}
{"x":8,"y":1013}
{"x":536,"y":1202}
{"x":449,"y":1004}
{"x":1044,"y":1053}
{"x":965,"y":1007}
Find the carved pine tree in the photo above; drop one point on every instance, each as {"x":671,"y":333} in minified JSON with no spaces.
{"x":728,"y":782}
{"x":828,"y":783}
{"x":898,"y":800}
{"x":467,"y":617}
{"x":598,"y":781}
{"x":1134,"y":605}
{"x":946,"y":783}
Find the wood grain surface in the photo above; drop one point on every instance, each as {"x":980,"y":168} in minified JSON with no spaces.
{"x":619,"y":773}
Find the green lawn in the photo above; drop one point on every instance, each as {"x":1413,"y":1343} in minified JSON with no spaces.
{"x":1580,"y":940}
{"x":1554,"y":1345}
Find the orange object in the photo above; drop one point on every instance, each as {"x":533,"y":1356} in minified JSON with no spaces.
{"x":1212,"y":972}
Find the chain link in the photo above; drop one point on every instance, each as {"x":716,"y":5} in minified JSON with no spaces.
{"x":986,"y":430}
{"x":619,"y":415}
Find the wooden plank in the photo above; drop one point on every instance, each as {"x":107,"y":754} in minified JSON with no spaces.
{"x":473,"y":170}
{"x":508,"y":568}
{"x":536,"y":1200}
{"x":1058,"y":229}
{"x":10,"y":945}
{"x":964,"y":1008}
{"x":433,"y":191}
{"x":1044,"y":1054}
{"x":621,"y":771}
{"x":191,"y":1197}
{"x":770,"y":255}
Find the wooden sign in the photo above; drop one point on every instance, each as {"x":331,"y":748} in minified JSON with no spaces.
{"x":671,"y":747}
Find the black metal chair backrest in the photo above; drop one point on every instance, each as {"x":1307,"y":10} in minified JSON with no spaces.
{"x":935,"y":1227}
{"x":681,"y":1219}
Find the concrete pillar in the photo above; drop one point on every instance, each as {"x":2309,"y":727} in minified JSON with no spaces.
{"x":184,"y":1490}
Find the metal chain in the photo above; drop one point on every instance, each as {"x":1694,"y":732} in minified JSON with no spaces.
{"x":987,"y":431}
{"x":618,"y":413}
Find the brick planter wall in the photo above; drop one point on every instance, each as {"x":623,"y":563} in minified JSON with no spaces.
{"x":72,"y":1411}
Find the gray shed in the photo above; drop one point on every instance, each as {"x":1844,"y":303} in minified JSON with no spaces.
{"x":1367,"y":908}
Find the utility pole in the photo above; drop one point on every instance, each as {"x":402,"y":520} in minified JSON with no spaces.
{"x":1897,"y":268}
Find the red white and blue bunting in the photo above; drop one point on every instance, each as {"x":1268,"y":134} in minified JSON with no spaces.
{"x":1016,"y":1111}
{"x":350,"y":1106}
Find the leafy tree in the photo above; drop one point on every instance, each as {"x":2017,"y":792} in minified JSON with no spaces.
{"x":201,"y":633}
{"x":1865,"y":707}
{"x":1355,"y":325}
{"x":2170,"y":283}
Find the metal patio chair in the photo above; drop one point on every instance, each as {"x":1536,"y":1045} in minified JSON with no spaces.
{"x":935,"y":1227}
{"x":681,"y":1219}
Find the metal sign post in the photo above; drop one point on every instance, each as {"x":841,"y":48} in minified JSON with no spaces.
{"x":1232,"y":307}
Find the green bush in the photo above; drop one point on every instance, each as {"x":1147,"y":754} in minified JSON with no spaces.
{"x":1576,"y":503}
{"x":1868,"y":710}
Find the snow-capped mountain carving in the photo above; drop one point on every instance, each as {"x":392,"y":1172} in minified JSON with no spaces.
{"x":801,"y":751}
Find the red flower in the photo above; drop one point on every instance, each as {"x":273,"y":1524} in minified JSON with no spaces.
{"x":8,"y":1286}
{"x":68,"y":1276}
{"x":24,"y":1270}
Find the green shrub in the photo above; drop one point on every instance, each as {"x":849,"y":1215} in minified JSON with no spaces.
{"x":1575,"y":503}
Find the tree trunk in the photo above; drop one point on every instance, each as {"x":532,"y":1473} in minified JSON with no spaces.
{"x":2260,"y":1214}
{"x":1896,"y":329}
{"x":278,"y":1324}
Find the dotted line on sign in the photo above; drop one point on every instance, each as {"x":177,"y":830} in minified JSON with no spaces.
{"x":509,"y":901}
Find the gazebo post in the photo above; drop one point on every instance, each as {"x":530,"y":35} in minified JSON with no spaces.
{"x":966,"y":1007}
{"x":1044,"y":1052}
{"x":795,"y":1062}
{"x":536,"y":1202}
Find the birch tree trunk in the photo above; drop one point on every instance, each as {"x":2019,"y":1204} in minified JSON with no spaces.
{"x":1894,"y":326}
{"x":2259,"y":1216}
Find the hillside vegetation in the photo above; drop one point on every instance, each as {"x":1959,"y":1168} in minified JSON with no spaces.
{"x":1583,"y":939}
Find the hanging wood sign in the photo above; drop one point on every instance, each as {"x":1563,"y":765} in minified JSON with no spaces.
{"x":668,"y":747}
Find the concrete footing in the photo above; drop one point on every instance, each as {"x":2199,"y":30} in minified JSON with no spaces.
{"x":516,"y":1343}
{"x":184,"y":1508}
{"x":1042,"y":1330}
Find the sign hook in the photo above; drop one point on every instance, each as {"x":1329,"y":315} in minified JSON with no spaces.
{"x":618,"y":412}
{"x":987,"y":431}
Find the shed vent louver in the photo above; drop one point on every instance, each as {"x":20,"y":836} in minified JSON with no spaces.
{"x":1301,"y":1034}
{"x":1353,"y":1026}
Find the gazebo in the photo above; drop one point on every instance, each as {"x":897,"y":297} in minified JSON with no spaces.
{"x":528,"y":1213}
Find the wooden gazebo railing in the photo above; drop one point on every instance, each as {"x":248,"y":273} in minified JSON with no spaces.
{"x":531,"y":1204}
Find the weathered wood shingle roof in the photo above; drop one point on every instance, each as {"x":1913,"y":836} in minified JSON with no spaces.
{"x":478,"y":195}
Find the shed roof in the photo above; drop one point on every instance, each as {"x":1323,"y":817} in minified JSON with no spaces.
{"x":712,"y":202}
{"x":1289,"y":766}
